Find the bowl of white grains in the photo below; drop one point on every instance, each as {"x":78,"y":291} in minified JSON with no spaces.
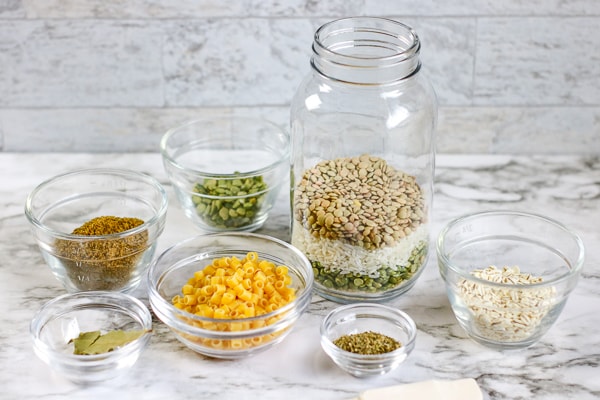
{"x":368,"y":339}
{"x":508,"y":274}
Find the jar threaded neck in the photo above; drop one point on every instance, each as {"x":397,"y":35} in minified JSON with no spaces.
{"x":366,"y":50}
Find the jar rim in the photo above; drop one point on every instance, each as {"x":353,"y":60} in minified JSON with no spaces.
{"x":366,"y":51}
{"x":388,"y":31}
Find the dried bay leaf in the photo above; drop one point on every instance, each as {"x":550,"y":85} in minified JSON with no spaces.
{"x":83,"y":341}
{"x":88,"y":343}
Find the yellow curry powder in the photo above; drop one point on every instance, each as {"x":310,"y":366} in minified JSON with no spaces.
{"x":103,"y":263}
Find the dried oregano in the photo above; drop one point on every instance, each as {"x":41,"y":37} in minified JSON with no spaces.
{"x":368,"y":342}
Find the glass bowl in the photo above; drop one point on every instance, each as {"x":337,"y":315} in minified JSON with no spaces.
{"x":91,"y":260}
{"x":364,"y":317}
{"x":63,"y":318}
{"x":508,"y":274}
{"x":226,"y":171}
{"x":227,"y":336}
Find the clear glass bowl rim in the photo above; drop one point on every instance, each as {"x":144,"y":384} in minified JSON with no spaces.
{"x":339,"y":353}
{"x":156,"y":218}
{"x":40,"y":319}
{"x":241,"y":175}
{"x":446,"y":264}
{"x":175,"y":315}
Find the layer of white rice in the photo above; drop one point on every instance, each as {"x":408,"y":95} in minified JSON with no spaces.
{"x":346,"y":258}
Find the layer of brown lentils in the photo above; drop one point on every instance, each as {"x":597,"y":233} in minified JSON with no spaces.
{"x":362,"y":201}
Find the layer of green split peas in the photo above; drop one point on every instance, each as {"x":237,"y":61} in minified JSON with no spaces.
{"x":236,"y":212}
{"x":387,"y":277}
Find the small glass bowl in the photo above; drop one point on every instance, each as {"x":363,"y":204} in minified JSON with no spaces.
{"x":63,"y":318}
{"x":235,"y":337}
{"x":99,"y":262}
{"x":515,"y":311}
{"x":227,"y":171}
{"x":362,"y":317}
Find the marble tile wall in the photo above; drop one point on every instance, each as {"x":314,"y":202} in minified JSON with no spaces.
{"x":512,"y":76}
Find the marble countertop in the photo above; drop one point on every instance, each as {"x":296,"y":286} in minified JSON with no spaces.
{"x":564,"y":364}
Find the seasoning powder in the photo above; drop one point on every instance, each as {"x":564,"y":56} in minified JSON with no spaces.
{"x":368,"y":342}
{"x":102,"y":263}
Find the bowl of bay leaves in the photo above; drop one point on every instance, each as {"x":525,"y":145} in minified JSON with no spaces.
{"x":90,"y":337}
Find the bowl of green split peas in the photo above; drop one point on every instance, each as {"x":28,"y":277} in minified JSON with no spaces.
{"x":226,"y":171}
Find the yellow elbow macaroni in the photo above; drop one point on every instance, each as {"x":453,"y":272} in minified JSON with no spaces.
{"x":230,"y":288}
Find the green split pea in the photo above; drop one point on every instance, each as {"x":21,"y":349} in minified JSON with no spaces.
{"x":230,"y":202}
{"x":386,"y":277}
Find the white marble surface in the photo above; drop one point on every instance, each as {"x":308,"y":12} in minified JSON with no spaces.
{"x":564,"y":365}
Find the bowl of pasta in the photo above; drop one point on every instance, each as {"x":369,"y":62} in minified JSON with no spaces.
{"x":230,"y":295}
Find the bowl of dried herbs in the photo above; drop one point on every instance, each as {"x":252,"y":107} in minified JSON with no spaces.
{"x":97,"y":229}
{"x":227,"y":171}
{"x":90,"y":337}
{"x":368,"y":339}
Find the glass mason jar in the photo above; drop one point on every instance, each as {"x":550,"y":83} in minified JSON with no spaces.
{"x":362,"y":125}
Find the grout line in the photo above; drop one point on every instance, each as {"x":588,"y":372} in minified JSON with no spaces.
{"x":295,"y":17}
